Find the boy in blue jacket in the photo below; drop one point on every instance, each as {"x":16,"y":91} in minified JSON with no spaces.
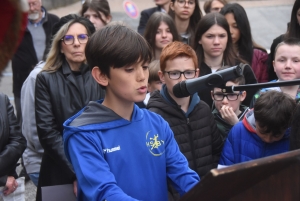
{"x":263,"y":132}
{"x":119,"y":151}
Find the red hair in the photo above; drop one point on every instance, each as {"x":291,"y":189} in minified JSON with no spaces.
{"x":174,"y":50}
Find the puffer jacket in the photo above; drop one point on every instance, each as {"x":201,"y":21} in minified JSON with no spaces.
{"x":58,"y":96}
{"x":195,"y":131}
{"x":12,"y":142}
{"x":243,"y":144}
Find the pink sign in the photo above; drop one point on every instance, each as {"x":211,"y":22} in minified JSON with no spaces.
{"x":131,"y":9}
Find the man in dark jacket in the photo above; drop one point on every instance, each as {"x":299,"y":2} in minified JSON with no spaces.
{"x":33,"y":48}
{"x":190,"y":118}
{"x":161,"y":6}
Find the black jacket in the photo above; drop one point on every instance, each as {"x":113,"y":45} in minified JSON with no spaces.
{"x":197,"y":135}
{"x":145,"y":15}
{"x":250,"y":78}
{"x":12,"y":142}
{"x":58,"y":96}
{"x":25,"y":59}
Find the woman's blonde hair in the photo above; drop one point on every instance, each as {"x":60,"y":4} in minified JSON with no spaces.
{"x":55,"y":57}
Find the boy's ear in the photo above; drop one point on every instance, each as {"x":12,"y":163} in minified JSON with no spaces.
{"x":243,"y":96}
{"x":212,"y":93}
{"x":161,"y":76}
{"x":99,"y":76}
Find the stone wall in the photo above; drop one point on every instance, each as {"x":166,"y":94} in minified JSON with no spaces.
{"x":52,"y":4}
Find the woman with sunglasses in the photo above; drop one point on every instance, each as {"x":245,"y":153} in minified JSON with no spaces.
{"x":186,"y":14}
{"x":63,"y":87}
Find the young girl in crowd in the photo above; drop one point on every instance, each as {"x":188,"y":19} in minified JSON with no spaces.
{"x":159,"y":32}
{"x":292,"y":32}
{"x":97,"y":11}
{"x":255,"y":55}
{"x":186,"y":14}
{"x":214,"y":48}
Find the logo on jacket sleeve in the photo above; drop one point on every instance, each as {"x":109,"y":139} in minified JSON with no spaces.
{"x":155,"y":145}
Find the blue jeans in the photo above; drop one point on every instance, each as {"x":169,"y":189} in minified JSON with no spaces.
{"x":34,"y":177}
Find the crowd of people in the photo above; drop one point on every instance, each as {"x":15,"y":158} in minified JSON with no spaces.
{"x":95,"y":106}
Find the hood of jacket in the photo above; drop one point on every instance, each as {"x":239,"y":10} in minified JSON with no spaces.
{"x":96,"y":117}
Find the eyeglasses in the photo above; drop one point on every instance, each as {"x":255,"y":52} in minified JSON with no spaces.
{"x":182,"y":3}
{"x":69,"y":39}
{"x":175,"y":75}
{"x":230,"y":97}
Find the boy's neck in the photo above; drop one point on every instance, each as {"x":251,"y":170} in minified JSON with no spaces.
{"x":124,"y":109}
{"x":290,"y":90}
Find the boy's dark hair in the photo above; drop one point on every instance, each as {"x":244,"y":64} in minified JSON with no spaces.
{"x":287,"y":41}
{"x":116,"y":46}
{"x":154,"y":67}
{"x":239,"y":80}
{"x":273,"y":111}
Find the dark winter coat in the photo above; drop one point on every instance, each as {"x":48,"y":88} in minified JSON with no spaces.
{"x":196,"y":133}
{"x":12,"y":142}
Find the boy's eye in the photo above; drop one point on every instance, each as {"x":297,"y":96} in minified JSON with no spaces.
{"x":145,"y":67}
{"x":174,"y":73}
{"x":128,"y":70}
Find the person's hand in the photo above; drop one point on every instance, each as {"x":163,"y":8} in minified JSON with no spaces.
{"x":228,"y":115}
{"x":11,"y":185}
{"x":75,"y":187}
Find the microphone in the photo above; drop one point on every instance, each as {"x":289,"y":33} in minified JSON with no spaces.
{"x":231,"y":89}
{"x":189,"y":87}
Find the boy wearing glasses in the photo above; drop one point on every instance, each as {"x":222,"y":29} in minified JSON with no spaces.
{"x":228,"y":108}
{"x":263,"y":132}
{"x":190,"y":118}
{"x":119,"y":151}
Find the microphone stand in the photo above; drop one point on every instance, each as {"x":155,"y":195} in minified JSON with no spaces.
{"x":231,"y":89}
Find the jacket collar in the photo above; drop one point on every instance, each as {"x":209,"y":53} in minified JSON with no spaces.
{"x":194,"y":100}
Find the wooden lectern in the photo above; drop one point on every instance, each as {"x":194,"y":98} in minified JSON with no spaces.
{"x":274,"y":178}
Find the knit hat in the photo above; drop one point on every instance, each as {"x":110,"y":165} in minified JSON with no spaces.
{"x":70,"y":17}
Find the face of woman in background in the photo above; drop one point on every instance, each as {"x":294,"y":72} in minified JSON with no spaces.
{"x":183,"y":8}
{"x":75,"y":53}
{"x":93,"y":16}
{"x":163,"y":36}
{"x":216,"y":6}
{"x":214,"y":41}
{"x":234,"y":30}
